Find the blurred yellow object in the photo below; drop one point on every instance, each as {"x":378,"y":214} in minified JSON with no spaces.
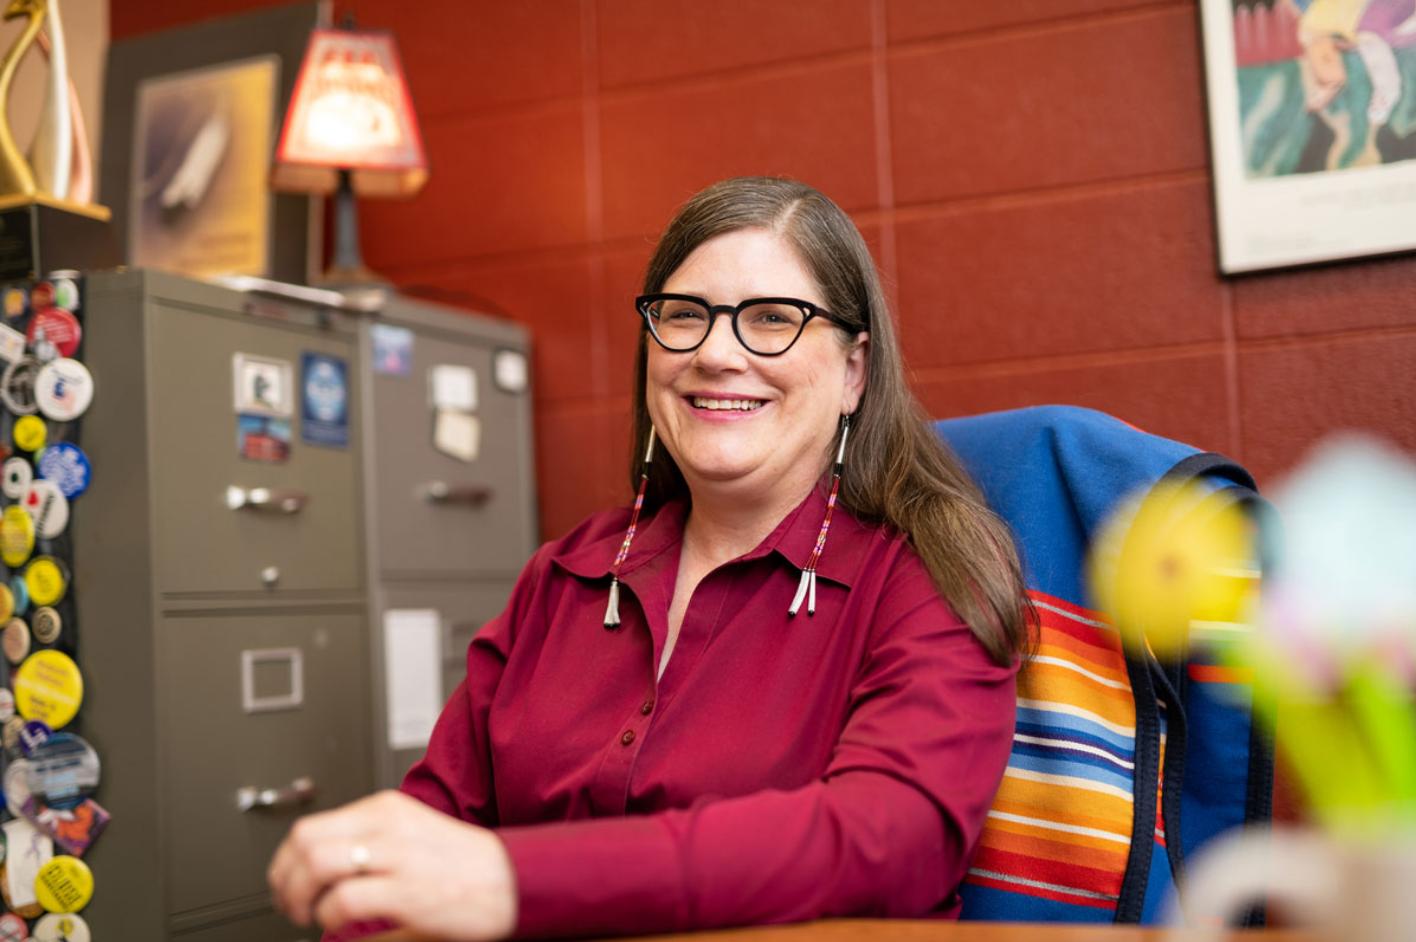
{"x":1178,"y":555}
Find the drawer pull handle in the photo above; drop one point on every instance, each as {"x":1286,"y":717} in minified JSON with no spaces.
{"x":469,"y":495}
{"x":299,"y":792}
{"x":266,"y":500}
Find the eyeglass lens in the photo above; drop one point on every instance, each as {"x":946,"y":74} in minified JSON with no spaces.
{"x":762,"y":328}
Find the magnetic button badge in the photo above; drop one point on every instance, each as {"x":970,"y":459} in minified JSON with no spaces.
{"x":65,"y":464}
{"x":13,"y":928}
{"x":34,"y":735}
{"x":15,"y":639}
{"x":64,"y":885}
{"x":53,"y":333}
{"x":17,"y":385}
{"x":11,"y":733}
{"x":21,"y":593}
{"x":16,"y":536}
{"x":48,"y":687}
{"x":15,"y":477}
{"x":61,"y":927}
{"x":42,"y":295}
{"x":17,"y":784}
{"x":7,"y":705}
{"x":30,"y":433}
{"x":49,"y":508}
{"x":64,"y":770}
{"x":7,"y":603}
{"x":45,"y":625}
{"x":66,"y":294}
{"x":63,"y":389}
{"x":46,"y":579}
{"x":15,"y":302}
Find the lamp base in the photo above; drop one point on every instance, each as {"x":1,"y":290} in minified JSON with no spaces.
{"x":360,"y":285}
{"x":40,"y":234}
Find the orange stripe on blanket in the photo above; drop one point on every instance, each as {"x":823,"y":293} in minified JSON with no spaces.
{"x":1214,"y":674}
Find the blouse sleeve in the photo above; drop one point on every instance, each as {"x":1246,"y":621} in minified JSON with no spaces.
{"x":886,"y":831}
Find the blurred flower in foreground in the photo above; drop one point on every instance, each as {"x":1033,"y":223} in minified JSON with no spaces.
{"x":1183,"y":553}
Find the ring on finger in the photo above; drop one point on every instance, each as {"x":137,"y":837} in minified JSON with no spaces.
{"x":359,"y":859}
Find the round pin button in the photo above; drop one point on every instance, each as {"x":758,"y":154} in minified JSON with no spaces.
{"x":34,"y":735}
{"x":16,"y":302}
{"x":66,"y":294}
{"x":65,"y":464}
{"x":42,"y":295}
{"x":53,"y":333}
{"x":17,"y":782}
{"x":46,"y":580}
{"x":49,"y":508}
{"x":16,"y":535}
{"x":17,"y":385}
{"x":64,"y":884}
{"x":7,"y":706}
{"x":64,"y":770}
{"x":30,"y":433}
{"x":15,"y":477}
{"x":7,"y":603}
{"x":61,"y":927}
{"x":63,"y":389}
{"x":13,"y":928}
{"x":49,"y":687}
{"x":45,"y":625}
{"x":21,"y":593}
{"x":15,"y":639}
{"x":11,"y":734}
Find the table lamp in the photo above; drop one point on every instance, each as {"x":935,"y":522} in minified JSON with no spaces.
{"x":350,"y":129}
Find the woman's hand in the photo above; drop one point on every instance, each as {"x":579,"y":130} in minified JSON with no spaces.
{"x":390,"y":856}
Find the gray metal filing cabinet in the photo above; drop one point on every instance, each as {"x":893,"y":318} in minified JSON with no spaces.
{"x":234,"y":610}
{"x":447,"y":535}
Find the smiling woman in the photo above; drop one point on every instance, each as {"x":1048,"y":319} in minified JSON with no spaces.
{"x":708,"y":756}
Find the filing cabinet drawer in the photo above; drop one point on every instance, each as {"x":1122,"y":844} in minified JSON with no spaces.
{"x":482,"y":521}
{"x":203,"y":544}
{"x":255,"y":702}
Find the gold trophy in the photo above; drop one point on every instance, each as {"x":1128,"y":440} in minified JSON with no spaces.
{"x":46,"y":219}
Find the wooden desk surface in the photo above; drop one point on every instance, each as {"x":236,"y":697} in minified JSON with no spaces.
{"x":935,"y":930}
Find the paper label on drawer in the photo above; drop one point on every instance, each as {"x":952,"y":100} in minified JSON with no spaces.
{"x":393,"y":349}
{"x":324,"y":400}
{"x":263,"y":438}
{"x":262,"y":385}
{"x":412,"y":675}
{"x":452,"y":386}
{"x":457,"y":434}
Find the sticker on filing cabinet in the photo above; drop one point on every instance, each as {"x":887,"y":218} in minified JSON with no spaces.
{"x":64,"y":884}
{"x":12,"y":343}
{"x":457,"y":434}
{"x":509,"y":371}
{"x":63,"y":389}
{"x":61,"y":927}
{"x":324,"y":400}
{"x":66,"y":465}
{"x":27,"y":851}
{"x":48,"y":687}
{"x":263,"y":438}
{"x":393,"y":349}
{"x":15,"y":477}
{"x":451,"y":386}
{"x":412,"y":675}
{"x":263,"y":385}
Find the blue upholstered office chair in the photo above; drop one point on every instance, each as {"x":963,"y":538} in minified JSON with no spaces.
{"x":1121,"y":765}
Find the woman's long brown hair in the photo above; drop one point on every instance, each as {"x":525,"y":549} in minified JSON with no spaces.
{"x":897,"y":469}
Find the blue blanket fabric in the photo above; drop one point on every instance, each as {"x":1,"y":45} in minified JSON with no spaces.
{"x":1054,"y":473}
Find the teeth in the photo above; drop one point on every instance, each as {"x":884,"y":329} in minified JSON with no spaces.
{"x":742,"y":405}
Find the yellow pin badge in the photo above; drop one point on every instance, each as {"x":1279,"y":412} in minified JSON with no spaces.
{"x":64,"y":884}
{"x":16,"y":536}
{"x":46,"y":580}
{"x":49,"y":688}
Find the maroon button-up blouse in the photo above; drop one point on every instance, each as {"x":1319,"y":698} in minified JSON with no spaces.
{"x":783,"y":768}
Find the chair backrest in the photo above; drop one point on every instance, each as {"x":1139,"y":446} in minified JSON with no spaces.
{"x":1121,"y":765}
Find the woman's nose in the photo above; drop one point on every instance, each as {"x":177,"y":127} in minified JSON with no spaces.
{"x":720,"y":350}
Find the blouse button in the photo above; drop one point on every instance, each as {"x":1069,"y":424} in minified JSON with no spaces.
{"x":647,"y":707}
{"x":627,"y":738}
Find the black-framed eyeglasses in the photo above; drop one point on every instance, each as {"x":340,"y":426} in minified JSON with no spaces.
{"x":765,"y":326}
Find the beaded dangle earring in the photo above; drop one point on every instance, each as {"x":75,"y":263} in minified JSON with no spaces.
{"x":612,"y":610}
{"x":807,"y":588}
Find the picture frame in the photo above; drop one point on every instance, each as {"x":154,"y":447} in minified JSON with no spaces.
{"x":281,"y":238}
{"x":1312,"y":122}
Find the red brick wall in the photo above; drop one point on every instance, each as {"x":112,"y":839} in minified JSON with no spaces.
{"x":1032,"y":174}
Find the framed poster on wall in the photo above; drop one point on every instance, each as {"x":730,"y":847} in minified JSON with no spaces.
{"x":1312,"y":119}
{"x":189,"y":123}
